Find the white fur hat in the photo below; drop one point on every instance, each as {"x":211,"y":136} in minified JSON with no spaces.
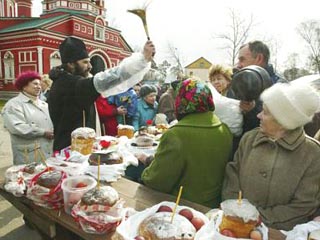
{"x":292,"y":105}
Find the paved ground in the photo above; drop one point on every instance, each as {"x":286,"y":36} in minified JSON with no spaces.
{"x":12,"y":226}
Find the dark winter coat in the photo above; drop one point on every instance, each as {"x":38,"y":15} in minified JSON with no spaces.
{"x":70,"y":96}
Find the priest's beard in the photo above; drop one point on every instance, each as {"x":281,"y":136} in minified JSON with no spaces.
{"x":80,"y":70}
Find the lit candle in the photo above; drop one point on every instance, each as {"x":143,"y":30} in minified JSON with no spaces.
{"x":84,"y":118}
{"x":35,"y":152}
{"x":43,"y":158}
{"x":124,"y":119}
{"x":98,"y":184}
{"x":177,"y":202}
{"x":240,"y":197}
{"x":26,"y":157}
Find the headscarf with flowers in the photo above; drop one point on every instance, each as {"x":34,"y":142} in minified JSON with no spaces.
{"x":193,"y":96}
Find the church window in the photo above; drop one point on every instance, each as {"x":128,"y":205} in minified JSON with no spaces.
{"x":8,"y":60}
{"x":25,"y":56}
{"x":55,"y":59}
{"x":99,"y":33}
{"x":77,"y":26}
{"x":84,"y":6}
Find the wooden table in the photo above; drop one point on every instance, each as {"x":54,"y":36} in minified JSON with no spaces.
{"x":55,"y":224}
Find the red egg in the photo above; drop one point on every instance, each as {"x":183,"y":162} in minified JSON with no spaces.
{"x":81,"y":185}
{"x":255,"y":235}
{"x":186,"y":213}
{"x":259,"y":221}
{"x":197,"y":223}
{"x":164,"y":208}
{"x":139,"y":238}
{"x":228,"y":233}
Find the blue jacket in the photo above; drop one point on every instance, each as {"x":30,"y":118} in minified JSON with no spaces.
{"x":144,"y":112}
{"x":128,"y":99}
{"x":274,"y":76}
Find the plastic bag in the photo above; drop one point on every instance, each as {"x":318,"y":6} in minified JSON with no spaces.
{"x":211,"y":230}
{"x":228,"y":110}
{"x":128,"y":229}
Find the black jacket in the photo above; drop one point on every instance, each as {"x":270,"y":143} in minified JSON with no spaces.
{"x":70,"y":95}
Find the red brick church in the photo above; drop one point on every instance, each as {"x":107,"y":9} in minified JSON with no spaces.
{"x":31,"y":43}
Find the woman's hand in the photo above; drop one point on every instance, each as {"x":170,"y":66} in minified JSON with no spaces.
{"x":48,"y":134}
{"x":246,"y":106}
{"x":122,"y":110}
{"x":144,"y":158}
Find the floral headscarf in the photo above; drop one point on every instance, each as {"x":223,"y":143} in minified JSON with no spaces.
{"x":193,"y":96}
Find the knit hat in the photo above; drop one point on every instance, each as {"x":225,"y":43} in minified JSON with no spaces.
{"x":249,"y":82}
{"x":72,"y":50}
{"x":292,"y":105}
{"x":146,"y":89}
{"x":193,"y":97}
{"x":24,"y":78}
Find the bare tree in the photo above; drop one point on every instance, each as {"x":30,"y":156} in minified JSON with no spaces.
{"x":237,"y":33}
{"x":293,"y":71}
{"x":274,"y":45}
{"x":175,"y":57}
{"x":310,"y":32}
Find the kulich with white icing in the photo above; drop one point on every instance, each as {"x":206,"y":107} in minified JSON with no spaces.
{"x":158,"y":226}
{"x":144,"y":141}
{"x":121,"y":126}
{"x":105,"y":195}
{"x":239,"y":217}
{"x":83,"y":132}
{"x":245,"y":210}
{"x":49,"y":179}
{"x":125,"y":130}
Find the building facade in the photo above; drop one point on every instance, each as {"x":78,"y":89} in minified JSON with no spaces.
{"x":32,"y":43}
{"x":198,"y":68}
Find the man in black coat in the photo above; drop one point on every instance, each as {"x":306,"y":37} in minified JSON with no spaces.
{"x":74,"y":91}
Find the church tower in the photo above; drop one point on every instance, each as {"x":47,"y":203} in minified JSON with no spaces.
{"x":24,"y":8}
{"x":86,"y":7}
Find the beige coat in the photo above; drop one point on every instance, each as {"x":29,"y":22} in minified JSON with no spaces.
{"x":281,"y":178}
{"x":27,"y":124}
{"x":317,"y":136}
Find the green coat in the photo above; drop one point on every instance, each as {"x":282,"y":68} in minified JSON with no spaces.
{"x":193,"y":154}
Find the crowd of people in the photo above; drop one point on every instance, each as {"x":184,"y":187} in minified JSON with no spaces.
{"x":272,"y":160}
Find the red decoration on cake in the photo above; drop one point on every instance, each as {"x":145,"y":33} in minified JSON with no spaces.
{"x":149,"y":122}
{"x":105,"y":144}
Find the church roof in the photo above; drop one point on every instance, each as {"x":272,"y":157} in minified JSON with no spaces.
{"x":33,"y":23}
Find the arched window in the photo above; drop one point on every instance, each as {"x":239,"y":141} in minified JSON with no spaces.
{"x":98,"y":64}
{"x":8,"y":60}
{"x":55,"y":59}
{"x":1,"y":9}
{"x":11,"y":9}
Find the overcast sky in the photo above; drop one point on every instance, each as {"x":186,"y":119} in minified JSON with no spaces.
{"x":190,"y":25}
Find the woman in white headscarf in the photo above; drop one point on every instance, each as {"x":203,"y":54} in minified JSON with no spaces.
{"x":277,"y":165}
